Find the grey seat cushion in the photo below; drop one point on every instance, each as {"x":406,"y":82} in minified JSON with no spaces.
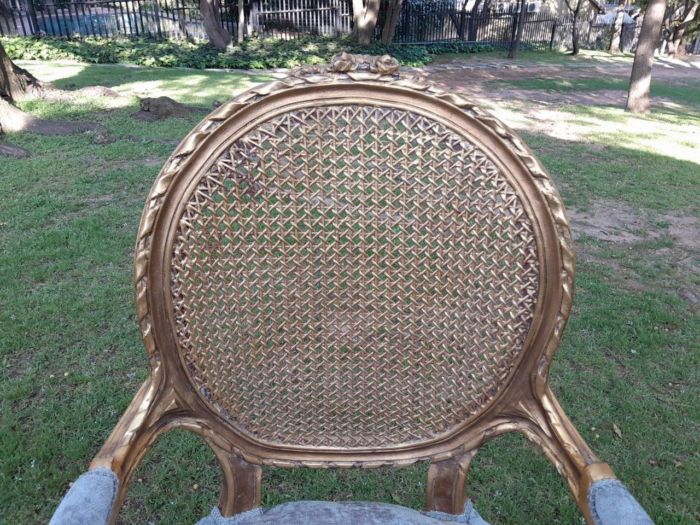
{"x":329,"y":513}
{"x":612,"y":504}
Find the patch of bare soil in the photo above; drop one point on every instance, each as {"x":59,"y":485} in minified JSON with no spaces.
{"x":161,"y":108}
{"x":608,"y":221}
{"x":477,"y":83}
{"x":10,"y":150}
{"x":13,"y":119}
{"x":620,"y":224}
{"x":685,"y":230}
{"x":122,"y":164}
{"x":598,"y":97}
{"x":70,"y":95}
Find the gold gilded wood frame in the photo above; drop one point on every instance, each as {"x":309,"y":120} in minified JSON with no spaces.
{"x":168,"y":399}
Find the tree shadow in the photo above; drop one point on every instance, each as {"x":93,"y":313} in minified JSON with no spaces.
{"x":586,"y":171}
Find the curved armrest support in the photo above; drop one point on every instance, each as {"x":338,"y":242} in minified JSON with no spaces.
{"x":89,"y":500}
{"x":610,"y":503}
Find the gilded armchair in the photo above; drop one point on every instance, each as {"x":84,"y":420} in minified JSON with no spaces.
{"x":347,"y":268}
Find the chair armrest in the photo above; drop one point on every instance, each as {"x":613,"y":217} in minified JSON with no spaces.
{"x":612,"y":504}
{"x":89,"y":500}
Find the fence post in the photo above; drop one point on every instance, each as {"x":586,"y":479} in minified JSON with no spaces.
{"x":31,"y":15}
{"x":590,"y":29}
{"x":254,"y":17}
{"x":554,"y":32}
{"x":515,"y":19}
{"x":337,"y":23}
{"x":622,"y":37}
{"x":156,"y":14}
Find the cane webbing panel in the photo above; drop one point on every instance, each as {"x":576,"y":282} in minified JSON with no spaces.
{"x":352,"y":276}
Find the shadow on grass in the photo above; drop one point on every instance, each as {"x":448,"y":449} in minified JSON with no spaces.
{"x":586,"y":172}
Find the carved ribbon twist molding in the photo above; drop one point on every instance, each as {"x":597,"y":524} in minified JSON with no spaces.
{"x":345,"y":68}
{"x":347,"y":63}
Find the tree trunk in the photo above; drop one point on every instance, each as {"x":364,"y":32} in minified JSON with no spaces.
{"x":11,"y":118}
{"x":458,"y":21}
{"x":640,"y":80}
{"x":211,"y":19}
{"x":575,"y":12}
{"x":667,"y":30}
{"x":515,"y":42}
{"x":485,"y":17}
{"x":393,"y":13}
{"x":679,"y":30}
{"x":365,"y":20}
{"x":241,"y":21}
{"x":617,"y":30}
{"x":15,"y":82}
{"x":574,"y":31}
{"x":473,"y":27}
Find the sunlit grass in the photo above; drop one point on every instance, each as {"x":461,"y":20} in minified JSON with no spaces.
{"x":199,"y":88}
{"x":667,"y":132}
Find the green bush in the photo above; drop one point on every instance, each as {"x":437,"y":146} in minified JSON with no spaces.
{"x":252,"y":54}
{"x":458,"y":47}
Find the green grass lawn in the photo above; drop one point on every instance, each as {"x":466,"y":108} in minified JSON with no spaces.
{"x":556,"y":57}
{"x":71,"y":356}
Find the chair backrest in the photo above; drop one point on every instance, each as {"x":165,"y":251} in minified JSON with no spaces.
{"x":347,"y":267}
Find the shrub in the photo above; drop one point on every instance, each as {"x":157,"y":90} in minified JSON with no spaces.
{"x":252,"y":54}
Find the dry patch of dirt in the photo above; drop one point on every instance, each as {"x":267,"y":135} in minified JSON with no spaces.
{"x":13,"y":119}
{"x":478,"y":82}
{"x":161,"y":108}
{"x":608,"y":221}
{"x":625,"y":227}
{"x":621,"y":223}
{"x":686,"y":231}
{"x":10,"y":150}
{"x":111,"y":165}
{"x":70,"y":95}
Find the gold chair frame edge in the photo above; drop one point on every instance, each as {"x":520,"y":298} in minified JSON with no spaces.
{"x":167,"y":399}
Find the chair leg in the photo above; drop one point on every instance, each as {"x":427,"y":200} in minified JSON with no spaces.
{"x":447,"y":484}
{"x":241,"y":486}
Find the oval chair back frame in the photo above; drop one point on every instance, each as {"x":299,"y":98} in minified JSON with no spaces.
{"x":169,"y":399}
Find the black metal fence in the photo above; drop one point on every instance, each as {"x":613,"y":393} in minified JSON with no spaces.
{"x":442,"y":22}
{"x":419,"y":22}
{"x":289,"y":19}
{"x":285,"y":19}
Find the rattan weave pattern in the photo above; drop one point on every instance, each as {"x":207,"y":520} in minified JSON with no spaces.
{"x":352,"y":276}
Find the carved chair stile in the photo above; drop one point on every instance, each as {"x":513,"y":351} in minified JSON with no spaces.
{"x":347,"y":268}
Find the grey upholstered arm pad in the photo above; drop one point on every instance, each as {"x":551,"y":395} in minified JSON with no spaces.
{"x":89,"y":500}
{"x":612,"y":504}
